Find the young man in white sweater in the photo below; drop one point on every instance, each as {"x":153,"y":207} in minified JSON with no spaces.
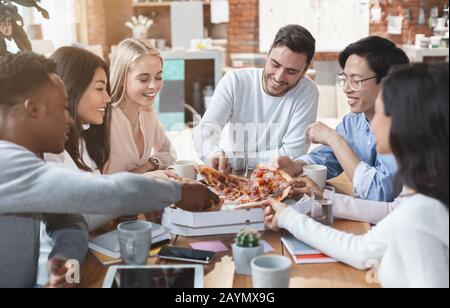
{"x":34,"y":121}
{"x":411,"y":245}
{"x":267,"y":109}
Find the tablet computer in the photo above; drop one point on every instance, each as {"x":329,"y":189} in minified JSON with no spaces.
{"x":154,"y":276}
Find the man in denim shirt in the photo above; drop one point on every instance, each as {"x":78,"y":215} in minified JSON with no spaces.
{"x":351,"y":148}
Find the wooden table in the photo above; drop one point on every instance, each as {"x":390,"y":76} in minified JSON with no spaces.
{"x":332,"y":275}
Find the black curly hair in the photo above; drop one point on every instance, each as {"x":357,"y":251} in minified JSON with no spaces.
{"x":20,"y":75}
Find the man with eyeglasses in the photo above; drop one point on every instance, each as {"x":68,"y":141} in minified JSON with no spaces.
{"x":351,"y":148}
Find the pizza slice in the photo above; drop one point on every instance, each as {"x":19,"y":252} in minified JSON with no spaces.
{"x":230,"y":187}
{"x":267,"y":182}
{"x":241,"y":193}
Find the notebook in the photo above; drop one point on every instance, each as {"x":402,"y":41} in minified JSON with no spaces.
{"x":302,"y":253}
{"x":108,"y":244}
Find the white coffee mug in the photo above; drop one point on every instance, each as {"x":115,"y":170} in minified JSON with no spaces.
{"x":317,"y":173}
{"x":271,"y":271}
{"x":186,"y":169}
{"x":135,"y":240}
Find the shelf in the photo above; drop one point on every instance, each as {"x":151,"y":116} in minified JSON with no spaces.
{"x":158,"y":4}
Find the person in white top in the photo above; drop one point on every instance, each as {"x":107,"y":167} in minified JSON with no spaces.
{"x":410,"y":247}
{"x":266,"y":110}
{"x":344,"y":206}
{"x":139,"y":143}
{"x":86,"y":77}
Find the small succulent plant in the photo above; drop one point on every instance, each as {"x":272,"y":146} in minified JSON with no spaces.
{"x":248,"y":238}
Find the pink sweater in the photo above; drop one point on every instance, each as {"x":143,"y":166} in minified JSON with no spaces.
{"x":124,"y":152}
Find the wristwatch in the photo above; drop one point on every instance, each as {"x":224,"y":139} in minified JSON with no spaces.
{"x":155,"y":162}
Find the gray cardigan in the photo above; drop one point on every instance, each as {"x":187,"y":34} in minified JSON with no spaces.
{"x":29,"y":189}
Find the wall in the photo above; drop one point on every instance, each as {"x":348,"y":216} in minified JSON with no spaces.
{"x":243,"y":29}
{"x":410,"y":28}
{"x":106,"y":20}
{"x":96,"y":23}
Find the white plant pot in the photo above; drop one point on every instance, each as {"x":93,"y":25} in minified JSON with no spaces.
{"x":140,"y":32}
{"x":243,"y":257}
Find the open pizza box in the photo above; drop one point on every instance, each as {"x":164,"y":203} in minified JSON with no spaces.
{"x":185,"y":223}
{"x":232,"y":215}
{"x":189,"y":224}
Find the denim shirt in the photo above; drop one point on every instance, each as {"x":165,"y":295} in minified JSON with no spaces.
{"x":374,"y":176}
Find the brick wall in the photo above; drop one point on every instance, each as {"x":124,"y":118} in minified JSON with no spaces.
{"x":243,"y":29}
{"x":117,"y":13}
{"x":96,"y":23}
{"x":106,"y":20}
{"x":410,"y":27}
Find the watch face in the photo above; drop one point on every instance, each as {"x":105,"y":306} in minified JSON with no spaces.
{"x":154,"y":162}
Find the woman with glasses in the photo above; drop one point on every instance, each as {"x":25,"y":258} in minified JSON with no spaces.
{"x":351,"y":148}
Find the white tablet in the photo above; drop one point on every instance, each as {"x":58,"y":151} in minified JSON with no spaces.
{"x":154,"y":276}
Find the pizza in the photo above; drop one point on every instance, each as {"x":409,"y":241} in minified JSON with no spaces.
{"x":242,"y":193}
{"x":267,"y":181}
{"x":228,"y":186}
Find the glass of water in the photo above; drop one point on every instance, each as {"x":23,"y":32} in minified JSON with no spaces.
{"x":322,"y":205}
{"x":240,"y":164}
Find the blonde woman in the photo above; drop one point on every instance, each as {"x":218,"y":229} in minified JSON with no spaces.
{"x":139,"y":144}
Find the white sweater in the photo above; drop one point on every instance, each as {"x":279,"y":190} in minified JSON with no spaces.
{"x":351,"y":208}
{"x":411,"y":244}
{"x":275,"y":125}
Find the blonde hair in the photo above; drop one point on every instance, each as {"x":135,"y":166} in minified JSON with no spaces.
{"x":125,"y":56}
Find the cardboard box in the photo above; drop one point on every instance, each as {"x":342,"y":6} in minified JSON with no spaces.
{"x":212,"y":223}
{"x":221,"y":222}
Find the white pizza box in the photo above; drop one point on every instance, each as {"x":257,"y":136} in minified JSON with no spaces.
{"x":206,"y":231}
{"x":215,"y":218}
{"x":210,"y":223}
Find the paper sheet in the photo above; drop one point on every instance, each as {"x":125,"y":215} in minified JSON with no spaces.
{"x":215,"y":246}
{"x":220,"y":11}
{"x":395,"y":25}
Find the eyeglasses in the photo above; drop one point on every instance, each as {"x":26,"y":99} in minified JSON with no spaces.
{"x":355,"y":84}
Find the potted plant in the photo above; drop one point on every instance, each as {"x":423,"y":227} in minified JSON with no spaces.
{"x":246,"y":247}
{"x":11,"y":24}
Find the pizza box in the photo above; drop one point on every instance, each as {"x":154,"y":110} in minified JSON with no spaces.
{"x":210,"y":223}
{"x":206,"y":231}
{"x":215,"y":218}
